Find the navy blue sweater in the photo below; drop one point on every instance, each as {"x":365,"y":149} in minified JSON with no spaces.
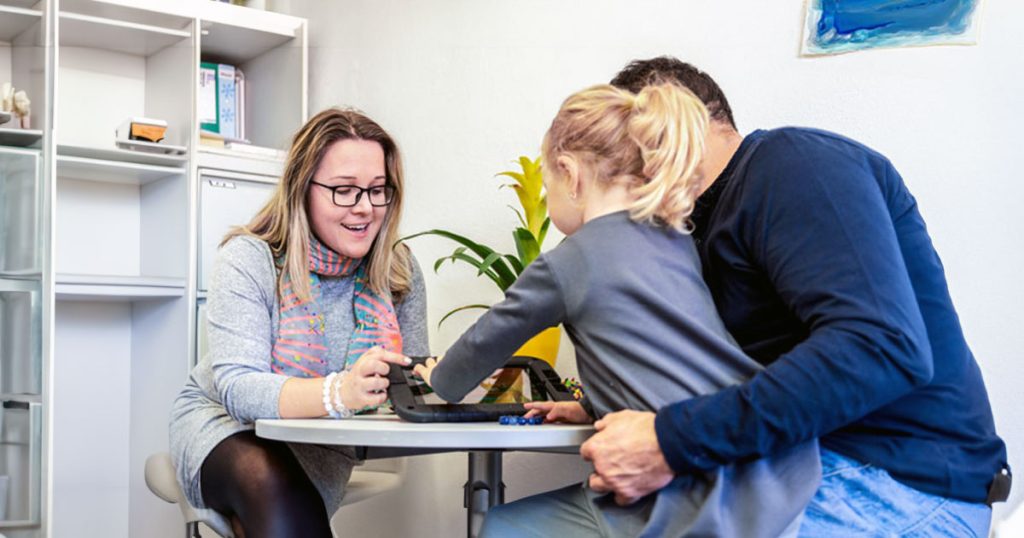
{"x":822,"y":269}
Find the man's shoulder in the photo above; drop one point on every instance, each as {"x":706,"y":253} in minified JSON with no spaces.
{"x":789,"y":157}
{"x":807,"y":146}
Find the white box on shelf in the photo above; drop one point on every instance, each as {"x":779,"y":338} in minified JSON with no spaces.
{"x":227,"y":104}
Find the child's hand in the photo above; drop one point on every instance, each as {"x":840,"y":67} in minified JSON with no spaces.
{"x":424,"y":370}
{"x":570,"y":412}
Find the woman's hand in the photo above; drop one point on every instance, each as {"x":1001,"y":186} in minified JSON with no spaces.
{"x":569,"y":412}
{"x":365,"y":385}
{"x":426,"y":369}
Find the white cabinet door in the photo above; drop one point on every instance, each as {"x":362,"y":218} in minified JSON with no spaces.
{"x":20,"y":204}
{"x":21,"y":370}
{"x":226,"y":200}
{"x":20,"y":464}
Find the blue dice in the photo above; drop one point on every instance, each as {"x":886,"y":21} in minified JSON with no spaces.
{"x":514,"y":420}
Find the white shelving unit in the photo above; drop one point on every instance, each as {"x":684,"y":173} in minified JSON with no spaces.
{"x":24,"y":279}
{"x":110,"y":299}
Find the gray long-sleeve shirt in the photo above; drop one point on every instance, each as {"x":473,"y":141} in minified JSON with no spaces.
{"x":233,"y":385}
{"x":647,"y":334}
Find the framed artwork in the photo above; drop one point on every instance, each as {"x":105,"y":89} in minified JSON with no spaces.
{"x":837,"y":26}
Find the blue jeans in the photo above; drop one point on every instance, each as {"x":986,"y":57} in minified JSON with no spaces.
{"x":856,"y":499}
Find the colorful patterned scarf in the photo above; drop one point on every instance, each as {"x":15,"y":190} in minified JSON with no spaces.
{"x":301,"y":347}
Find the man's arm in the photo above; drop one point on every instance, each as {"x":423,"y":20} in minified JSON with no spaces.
{"x":822,"y":234}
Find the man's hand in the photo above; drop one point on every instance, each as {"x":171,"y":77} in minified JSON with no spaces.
{"x":627,"y":458}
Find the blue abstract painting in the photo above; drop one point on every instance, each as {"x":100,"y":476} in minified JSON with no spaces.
{"x":835,"y":26}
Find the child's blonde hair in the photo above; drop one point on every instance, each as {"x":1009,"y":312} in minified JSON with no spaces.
{"x":653,"y":139}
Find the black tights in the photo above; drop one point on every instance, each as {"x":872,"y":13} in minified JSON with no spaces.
{"x":260,"y":486}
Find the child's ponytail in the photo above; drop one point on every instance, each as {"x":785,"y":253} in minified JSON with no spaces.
{"x":653,"y":140}
{"x":668,"y":124}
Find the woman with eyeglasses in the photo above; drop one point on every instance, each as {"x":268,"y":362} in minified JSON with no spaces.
{"x":310,"y":302}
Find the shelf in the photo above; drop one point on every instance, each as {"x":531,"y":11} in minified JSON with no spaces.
{"x":236,"y":34}
{"x":20,"y":274}
{"x":22,"y":398}
{"x":26,"y":4}
{"x":113,"y":171}
{"x":15,"y":20}
{"x":87,"y":31}
{"x":236,"y":46}
{"x":19,"y":285}
{"x":20,"y":138}
{"x":225,"y":159}
{"x":121,"y":155}
{"x":71,"y":287}
{"x":145,"y":12}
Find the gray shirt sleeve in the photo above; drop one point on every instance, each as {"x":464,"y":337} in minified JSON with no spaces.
{"x":240,"y":323}
{"x":412,"y":315}
{"x":534,"y":303}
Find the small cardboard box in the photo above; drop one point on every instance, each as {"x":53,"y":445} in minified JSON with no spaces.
{"x":146,"y":129}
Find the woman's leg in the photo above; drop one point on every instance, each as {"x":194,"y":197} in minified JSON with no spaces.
{"x":259,"y":484}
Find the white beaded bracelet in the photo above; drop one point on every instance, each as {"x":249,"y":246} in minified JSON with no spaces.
{"x":339,"y":406}
{"x":327,"y":396}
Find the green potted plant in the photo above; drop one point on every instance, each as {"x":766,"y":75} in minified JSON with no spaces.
{"x":503,"y":269}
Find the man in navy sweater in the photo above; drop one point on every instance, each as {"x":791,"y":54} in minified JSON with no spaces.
{"x":822,"y":269}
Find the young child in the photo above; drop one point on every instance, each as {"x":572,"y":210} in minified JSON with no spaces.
{"x":622,"y":172}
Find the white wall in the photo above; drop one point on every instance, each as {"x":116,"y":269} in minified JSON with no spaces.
{"x":468,"y":85}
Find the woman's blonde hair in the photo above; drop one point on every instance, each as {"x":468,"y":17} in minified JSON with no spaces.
{"x":284,"y":223}
{"x":653,"y":139}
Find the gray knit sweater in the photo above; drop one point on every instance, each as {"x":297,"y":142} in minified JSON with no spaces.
{"x":233,"y":385}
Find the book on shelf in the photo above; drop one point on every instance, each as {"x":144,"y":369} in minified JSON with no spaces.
{"x":207,"y":138}
{"x":236,"y":146}
{"x":222,"y":99}
{"x":250,"y":149}
{"x":227,"y":101}
{"x":208,"y":115}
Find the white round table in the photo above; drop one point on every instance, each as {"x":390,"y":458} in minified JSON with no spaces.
{"x":485,"y":441}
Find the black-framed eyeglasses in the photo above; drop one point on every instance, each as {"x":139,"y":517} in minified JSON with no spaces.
{"x":349,"y":195}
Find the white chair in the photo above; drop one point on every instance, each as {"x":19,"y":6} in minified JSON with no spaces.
{"x":161,"y":481}
{"x":370,"y":479}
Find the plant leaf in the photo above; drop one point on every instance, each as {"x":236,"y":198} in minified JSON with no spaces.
{"x":527,"y":245}
{"x":518,"y":214}
{"x":460,"y":309}
{"x":503,"y":272}
{"x":517,"y":265}
{"x":488,"y":261}
{"x":452,"y":257}
{"x":502,"y":283}
{"x":520,"y":178}
{"x":543,"y":232}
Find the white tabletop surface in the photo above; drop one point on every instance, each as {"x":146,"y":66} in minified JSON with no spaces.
{"x":391,"y":431}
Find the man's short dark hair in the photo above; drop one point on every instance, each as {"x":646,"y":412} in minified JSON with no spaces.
{"x":640,"y":73}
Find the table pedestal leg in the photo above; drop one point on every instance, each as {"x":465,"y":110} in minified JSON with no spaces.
{"x":483,"y":489}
